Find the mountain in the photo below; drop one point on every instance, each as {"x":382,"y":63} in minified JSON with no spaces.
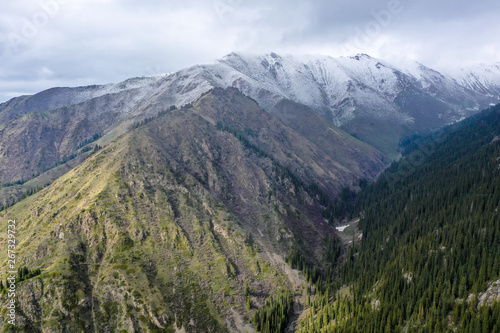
{"x":45,"y":135}
{"x":161,"y":229}
{"x":482,"y":78}
{"x":206,"y":199}
{"x":427,"y":244}
{"x":348,"y":87}
{"x":369,"y":98}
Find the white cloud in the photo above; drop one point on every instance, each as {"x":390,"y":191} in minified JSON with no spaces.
{"x":73,"y":42}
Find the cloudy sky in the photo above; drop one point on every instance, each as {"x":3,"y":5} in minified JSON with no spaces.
{"x":47,"y":43}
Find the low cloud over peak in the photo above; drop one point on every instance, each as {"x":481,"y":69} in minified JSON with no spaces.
{"x":72,"y":42}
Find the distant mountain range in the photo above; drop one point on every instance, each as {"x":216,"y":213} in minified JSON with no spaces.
{"x":181,"y":202}
{"x":482,"y":78}
{"x":374,"y":101}
{"x":370,"y":98}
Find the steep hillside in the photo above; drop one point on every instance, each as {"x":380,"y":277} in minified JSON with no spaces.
{"x":45,"y":135}
{"x":171,"y":204}
{"x":37,"y":132}
{"x":160,"y":230}
{"x":483,"y":78}
{"x":342,"y":147}
{"x":41,"y":133}
{"x":369,"y":98}
{"x":429,"y":251}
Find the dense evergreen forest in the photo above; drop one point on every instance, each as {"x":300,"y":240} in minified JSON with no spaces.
{"x":431,"y":241}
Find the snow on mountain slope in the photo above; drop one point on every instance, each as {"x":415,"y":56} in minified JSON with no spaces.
{"x":131,"y":97}
{"x":343,"y":88}
{"x":55,"y":98}
{"x":328,"y":85}
{"x":338,"y":88}
{"x":441,"y":86}
{"x":356,"y":93}
{"x":482,"y":78}
{"x":372,"y":99}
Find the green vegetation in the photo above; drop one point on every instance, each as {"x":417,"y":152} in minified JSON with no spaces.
{"x":273,"y":317}
{"x":157,"y":230}
{"x":28,"y":190}
{"x":297,"y":261}
{"x":331,"y":211}
{"x":136,"y":232}
{"x":23,"y":273}
{"x":94,"y":138}
{"x":430,"y":241}
{"x":342,"y":207}
{"x":26,"y":193}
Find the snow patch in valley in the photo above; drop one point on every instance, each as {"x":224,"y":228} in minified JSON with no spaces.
{"x":342,"y":228}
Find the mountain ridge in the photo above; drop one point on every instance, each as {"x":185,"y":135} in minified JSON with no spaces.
{"x":206,"y":199}
{"x":161,"y":228}
{"x":359,"y":94}
{"x":483,"y":78}
{"x":372,"y":100}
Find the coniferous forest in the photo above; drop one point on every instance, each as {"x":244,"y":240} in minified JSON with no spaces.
{"x":430,"y":250}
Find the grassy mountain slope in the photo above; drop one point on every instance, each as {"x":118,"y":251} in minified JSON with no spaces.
{"x":35,"y":139}
{"x":159,"y":230}
{"x":34,"y":143}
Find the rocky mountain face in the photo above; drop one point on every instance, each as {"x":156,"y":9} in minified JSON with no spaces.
{"x":483,"y":78}
{"x":345,"y":88}
{"x":159,"y":230}
{"x":369,"y":98}
{"x":149,"y":203}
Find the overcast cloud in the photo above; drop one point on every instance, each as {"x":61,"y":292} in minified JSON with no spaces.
{"x":47,"y":43}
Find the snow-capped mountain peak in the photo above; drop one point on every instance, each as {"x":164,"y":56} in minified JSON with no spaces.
{"x":484,"y":78}
{"x":356,"y":93}
{"x":346,"y":87}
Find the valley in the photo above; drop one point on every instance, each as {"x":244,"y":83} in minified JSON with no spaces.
{"x":271,"y":193}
